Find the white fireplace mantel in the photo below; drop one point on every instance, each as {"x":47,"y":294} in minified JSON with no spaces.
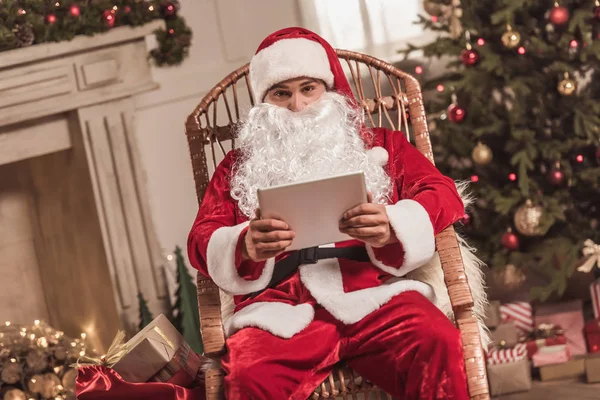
{"x":66,"y":113}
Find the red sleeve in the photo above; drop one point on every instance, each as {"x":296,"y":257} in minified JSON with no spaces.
{"x":214,"y":243}
{"x":428,"y":203}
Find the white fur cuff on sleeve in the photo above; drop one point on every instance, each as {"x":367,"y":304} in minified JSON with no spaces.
{"x":220,"y":257}
{"x":415,"y":232}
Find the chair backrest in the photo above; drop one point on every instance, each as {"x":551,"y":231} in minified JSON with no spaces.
{"x":389,"y":96}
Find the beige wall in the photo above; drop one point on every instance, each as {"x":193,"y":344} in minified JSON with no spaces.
{"x":226,"y":33}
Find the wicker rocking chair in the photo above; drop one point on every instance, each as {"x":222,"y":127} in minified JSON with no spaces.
{"x":402,"y":109}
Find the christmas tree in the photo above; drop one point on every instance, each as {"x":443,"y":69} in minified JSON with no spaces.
{"x":517,"y":113}
{"x":186,"y":319}
{"x":145,"y":314}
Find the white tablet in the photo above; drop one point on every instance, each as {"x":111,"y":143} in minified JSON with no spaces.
{"x":314,"y":208}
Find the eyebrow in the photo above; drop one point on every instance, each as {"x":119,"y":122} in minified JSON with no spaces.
{"x":284,"y":86}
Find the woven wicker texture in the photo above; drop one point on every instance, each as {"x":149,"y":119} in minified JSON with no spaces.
{"x":388,"y":96}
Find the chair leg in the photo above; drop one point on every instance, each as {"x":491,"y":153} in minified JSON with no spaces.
{"x":214,"y":383}
{"x":461,"y":298}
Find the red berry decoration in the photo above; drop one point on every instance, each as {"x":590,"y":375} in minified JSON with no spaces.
{"x":469,"y":57}
{"x":559,"y":15}
{"x":51,"y":19}
{"x":169,"y":9}
{"x":466,"y":219}
{"x":456,"y":114}
{"x":127,"y":9}
{"x":510,"y":240}
{"x":109,"y":18}
{"x":74,"y":10}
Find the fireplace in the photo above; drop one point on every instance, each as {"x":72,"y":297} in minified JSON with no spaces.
{"x":76,"y":239}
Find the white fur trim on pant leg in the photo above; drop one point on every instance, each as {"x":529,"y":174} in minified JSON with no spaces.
{"x":281,"y":319}
{"x":378,"y":155}
{"x":288,"y":59}
{"x":414,"y":230}
{"x":324,"y":281}
{"x":220,"y":257}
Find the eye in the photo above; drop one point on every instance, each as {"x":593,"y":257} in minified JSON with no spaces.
{"x":280,"y":93}
{"x":308,"y":89}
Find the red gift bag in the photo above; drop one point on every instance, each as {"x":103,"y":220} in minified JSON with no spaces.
{"x":102,"y":383}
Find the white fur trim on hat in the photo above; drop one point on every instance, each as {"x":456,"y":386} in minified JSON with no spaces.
{"x":288,"y":59}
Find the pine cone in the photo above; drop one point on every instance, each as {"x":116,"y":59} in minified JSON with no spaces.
{"x":24,"y":35}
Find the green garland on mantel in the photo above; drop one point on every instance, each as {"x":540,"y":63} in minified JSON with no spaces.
{"x":25,"y":23}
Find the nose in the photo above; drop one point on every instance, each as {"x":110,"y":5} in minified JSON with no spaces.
{"x":296,"y":103}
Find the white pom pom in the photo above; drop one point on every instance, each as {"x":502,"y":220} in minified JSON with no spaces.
{"x":378,"y":155}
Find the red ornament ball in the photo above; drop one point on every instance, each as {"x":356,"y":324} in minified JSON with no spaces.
{"x":579,"y":158}
{"x":74,"y":10}
{"x":597,"y":13}
{"x":51,"y":19}
{"x":510,"y":240}
{"x":512,"y":176}
{"x":556,"y":176}
{"x":456,"y":114}
{"x":109,"y":18}
{"x":474,"y":178}
{"x":469,"y":57}
{"x":169,"y":9}
{"x":559,"y":15}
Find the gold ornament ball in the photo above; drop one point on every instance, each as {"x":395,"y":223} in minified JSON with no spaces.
{"x":482,"y":154}
{"x":432,"y":8}
{"x":528,"y":219}
{"x":11,"y":372}
{"x":567,"y":87}
{"x":50,"y":385}
{"x":68,"y":380}
{"x":511,"y":39}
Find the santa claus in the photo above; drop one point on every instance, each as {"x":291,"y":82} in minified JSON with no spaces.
{"x":353,"y":301}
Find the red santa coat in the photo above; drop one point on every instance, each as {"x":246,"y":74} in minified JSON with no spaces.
{"x":423,"y":202}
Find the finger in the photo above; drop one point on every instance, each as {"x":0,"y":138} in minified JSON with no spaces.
{"x":367,"y":232}
{"x":363,"y":220}
{"x":365,"y":208}
{"x":369,"y":197}
{"x":274,"y":236}
{"x":273,"y":246}
{"x":268,"y":225}
{"x":257,"y":213}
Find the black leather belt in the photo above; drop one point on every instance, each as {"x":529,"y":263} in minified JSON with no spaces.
{"x":289,"y":265}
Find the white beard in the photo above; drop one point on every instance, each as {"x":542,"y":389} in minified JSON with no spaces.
{"x":279,"y":146}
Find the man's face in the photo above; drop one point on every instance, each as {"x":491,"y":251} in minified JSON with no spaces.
{"x":296,"y":94}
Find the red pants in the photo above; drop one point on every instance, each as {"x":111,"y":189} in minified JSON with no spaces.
{"x":407,"y":347}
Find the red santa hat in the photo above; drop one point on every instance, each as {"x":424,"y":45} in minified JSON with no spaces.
{"x":293,"y":53}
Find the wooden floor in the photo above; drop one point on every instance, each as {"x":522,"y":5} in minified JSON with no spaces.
{"x":558,"y":390}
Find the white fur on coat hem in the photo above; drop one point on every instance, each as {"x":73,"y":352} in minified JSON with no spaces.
{"x":324,"y":281}
{"x":414,"y":230}
{"x":220,"y":259}
{"x":281,"y":319}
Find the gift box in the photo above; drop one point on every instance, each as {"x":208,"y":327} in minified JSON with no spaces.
{"x":492,"y":314}
{"x":595,"y":294}
{"x":568,"y":315}
{"x":502,"y":356}
{"x":592,"y":335}
{"x":521,"y":313}
{"x":575,"y":367}
{"x":534,"y":345}
{"x":551,"y":355}
{"x":505,"y":335}
{"x":509,"y":377}
{"x":159,"y":353}
{"x":592,"y":369}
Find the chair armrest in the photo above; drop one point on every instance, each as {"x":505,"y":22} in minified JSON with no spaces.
{"x":455,"y":277}
{"x":211,"y":324}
